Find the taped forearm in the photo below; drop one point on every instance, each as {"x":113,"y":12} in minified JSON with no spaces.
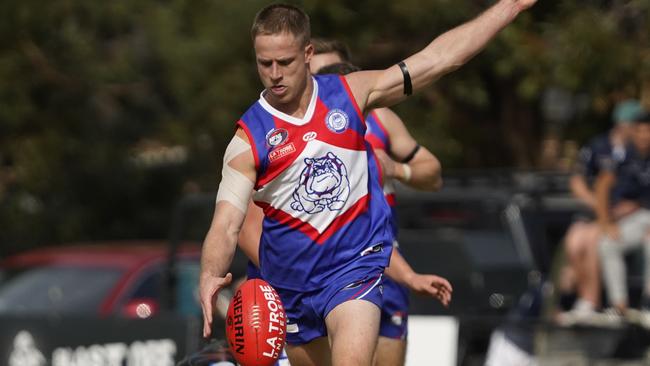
{"x":235,"y":187}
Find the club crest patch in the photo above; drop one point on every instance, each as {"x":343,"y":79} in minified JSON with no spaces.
{"x":337,"y":120}
{"x":277,"y":137}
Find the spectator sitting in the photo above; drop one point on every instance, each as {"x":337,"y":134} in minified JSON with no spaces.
{"x":622,"y":208}
{"x":581,"y":242}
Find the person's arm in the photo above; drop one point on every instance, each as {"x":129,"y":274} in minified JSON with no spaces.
{"x":220,"y":242}
{"x":580,"y":190}
{"x":374,"y":89}
{"x":423,"y":284}
{"x":424,"y":169}
{"x":603,"y":186}
{"x":251,"y":231}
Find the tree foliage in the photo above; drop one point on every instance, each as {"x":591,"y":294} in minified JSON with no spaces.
{"x":91,"y":88}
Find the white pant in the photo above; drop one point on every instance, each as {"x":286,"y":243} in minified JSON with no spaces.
{"x":633,"y":233}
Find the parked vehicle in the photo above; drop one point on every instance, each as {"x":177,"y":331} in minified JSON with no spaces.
{"x":127,"y":279}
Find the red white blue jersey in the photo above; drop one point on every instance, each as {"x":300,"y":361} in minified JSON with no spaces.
{"x":325,"y":212}
{"x":378,"y":138}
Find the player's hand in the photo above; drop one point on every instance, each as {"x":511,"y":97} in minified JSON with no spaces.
{"x":209,"y":287}
{"x":431,"y":285}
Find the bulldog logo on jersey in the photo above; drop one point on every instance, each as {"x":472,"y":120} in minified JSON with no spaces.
{"x":276,"y":137}
{"x":323,"y":184}
{"x":337,"y":120}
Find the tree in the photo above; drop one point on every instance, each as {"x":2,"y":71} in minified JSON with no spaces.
{"x":110,"y":110}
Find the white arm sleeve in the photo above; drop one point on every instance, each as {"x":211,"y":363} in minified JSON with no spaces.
{"x":235,"y":187}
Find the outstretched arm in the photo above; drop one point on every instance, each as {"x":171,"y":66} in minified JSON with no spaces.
{"x":423,"y":284}
{"x":374,"y":89}
{"x":220,"y":242}
{"x":422,"y":171}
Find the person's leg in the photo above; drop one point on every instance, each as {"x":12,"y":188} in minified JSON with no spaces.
{"x":314,"y":353}
{"x":393,"y":327}
{"x":645,"y":296}
{"x":390,"y":352}
{"x":581,"y":272}
{"x":573,"y":249}
{"x":613,"y":267}
{"x":588,"y":276}
{"x":646,"y":268}
{"x":351,"y":309}
{"x":645,"y":233}
{"x":633,"y":229}
{"x":346,"y":310}
{"x":353,"y":328}
{"x":307,"y":343}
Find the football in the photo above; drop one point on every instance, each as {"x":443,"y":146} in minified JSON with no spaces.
{"x":256,"y":324}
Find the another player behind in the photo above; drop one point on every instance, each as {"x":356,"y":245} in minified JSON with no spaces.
{"x":403,"y":159}
{"x":301,"y":146}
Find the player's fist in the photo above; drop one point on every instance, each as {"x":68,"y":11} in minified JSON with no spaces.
{"x":209,"y":287}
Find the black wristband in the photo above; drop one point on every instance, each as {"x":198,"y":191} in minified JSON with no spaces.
{"x":408,"y":87}
{"x":410,"y":156}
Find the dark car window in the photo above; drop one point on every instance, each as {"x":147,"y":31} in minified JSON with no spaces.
{"x":56,"y":289}
{"x":152,"y":285}
{"x":187,"y":293}
{"x":149,"y":286}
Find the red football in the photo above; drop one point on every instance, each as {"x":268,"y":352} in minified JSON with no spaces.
{"x":256,"y":324}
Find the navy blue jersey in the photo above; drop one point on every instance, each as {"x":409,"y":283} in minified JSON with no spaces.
{"x":633,"y":178}
{"x":377,"y":136}
{"x":599,"y":155}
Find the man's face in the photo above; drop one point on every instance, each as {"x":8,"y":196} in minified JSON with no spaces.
{"x":642,"y":137}
{"x":282,"y":63}
{"x":626,"y":130}
{"x":321,"y":60}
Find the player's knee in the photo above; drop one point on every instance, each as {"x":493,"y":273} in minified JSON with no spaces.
{"x":354,"y":358}
{"x":574,"y":242}
{"x":315,"y":353}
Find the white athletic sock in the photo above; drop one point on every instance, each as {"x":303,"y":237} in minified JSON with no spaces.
{"x":583,"y":305}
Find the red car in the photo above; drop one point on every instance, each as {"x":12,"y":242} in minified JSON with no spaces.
{"x":125,"y":278}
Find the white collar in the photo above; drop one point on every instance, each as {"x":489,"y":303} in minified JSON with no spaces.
{"x":293,"y":120}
